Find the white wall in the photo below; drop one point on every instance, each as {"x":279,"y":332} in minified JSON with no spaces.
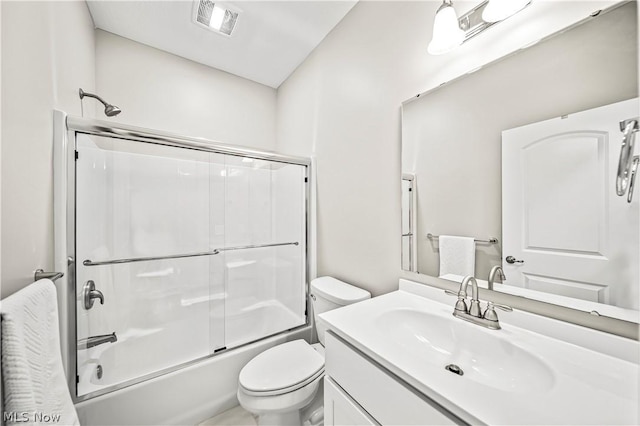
{"x":47,"y":53}
{"x":159,"y":90}
{"x":342,"y":105}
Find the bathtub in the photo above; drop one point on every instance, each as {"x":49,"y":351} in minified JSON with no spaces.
{"x":186,"y":396}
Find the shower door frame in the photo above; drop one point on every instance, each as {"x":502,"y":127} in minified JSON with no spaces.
{"x":64,"y":169}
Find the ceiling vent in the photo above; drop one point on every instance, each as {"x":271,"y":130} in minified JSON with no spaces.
{"x":216,"y":16}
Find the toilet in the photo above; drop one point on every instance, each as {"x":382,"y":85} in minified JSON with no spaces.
{"x":281,"y":385}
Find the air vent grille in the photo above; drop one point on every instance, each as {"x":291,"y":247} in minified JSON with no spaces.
{"x":216,"y":17}
{"x":205,"y":9}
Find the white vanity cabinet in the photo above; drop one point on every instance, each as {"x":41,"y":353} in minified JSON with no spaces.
{"x":358,"y":391}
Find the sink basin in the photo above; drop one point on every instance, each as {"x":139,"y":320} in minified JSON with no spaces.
{"x":511,"y":376}
{"x":486,"y":357}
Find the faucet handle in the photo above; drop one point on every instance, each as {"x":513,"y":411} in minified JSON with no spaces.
{"x":502,"y":307}
{"x":461,"y":305}
{"x":490,"y":313}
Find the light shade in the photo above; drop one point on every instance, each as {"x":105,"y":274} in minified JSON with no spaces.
{"x":447,"y":34}
{"x":498,"y":10}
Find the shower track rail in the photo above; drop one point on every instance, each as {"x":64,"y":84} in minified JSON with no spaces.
{"x":90,"y":262}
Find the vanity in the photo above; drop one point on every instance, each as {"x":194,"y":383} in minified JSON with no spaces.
{"x":403,"y":358}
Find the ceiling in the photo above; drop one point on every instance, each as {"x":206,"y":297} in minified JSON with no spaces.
{"x":270,"y":40}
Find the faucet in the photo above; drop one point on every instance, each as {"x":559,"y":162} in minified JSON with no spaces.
{"x":492,"y":275}
{"x":461,"y":306}
{"x":92,"y":341}
{"x":473,"y":313}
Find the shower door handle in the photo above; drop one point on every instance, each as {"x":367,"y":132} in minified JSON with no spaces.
{"x":90,"y":293}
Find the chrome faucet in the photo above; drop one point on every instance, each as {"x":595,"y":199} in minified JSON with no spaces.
{"x":461,"y":305}
{"x":92,"y":341}
{"x":473,"y":313}
{"x":492,"y":275}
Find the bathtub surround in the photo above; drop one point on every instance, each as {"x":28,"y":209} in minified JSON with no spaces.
{"x":184,"y":397}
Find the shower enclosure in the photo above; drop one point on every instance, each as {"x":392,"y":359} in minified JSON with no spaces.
{"x":177,"y":250}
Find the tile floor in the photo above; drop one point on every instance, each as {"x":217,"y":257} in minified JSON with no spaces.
{"x":236,"y":416}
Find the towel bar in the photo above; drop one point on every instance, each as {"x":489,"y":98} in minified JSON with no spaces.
{"x":41,"y":274}
{"x":489,"y":241}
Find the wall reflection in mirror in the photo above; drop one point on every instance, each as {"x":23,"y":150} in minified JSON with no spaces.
{"x":526,"y":150}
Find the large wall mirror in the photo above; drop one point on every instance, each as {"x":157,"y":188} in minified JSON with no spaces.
{"x":522,"y":155}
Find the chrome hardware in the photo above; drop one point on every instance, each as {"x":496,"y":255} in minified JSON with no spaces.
{"x":90,"y":262}
{"x":511,"y":259}
{"x":474,"y":307}
{"x":632,"y":179}
{"x":492,"y":240}
{"x":40,"y":274}
{"x":492,"y":276}
{"x":488,"y":319}
{"x":89,"y":293}
{"x":99,"y":371}
{"x":313,"y":297}
{"x":92,"y":341}
{"x":629,"y":128}
{"x":491,"y":315}
{"x":454,"y":369}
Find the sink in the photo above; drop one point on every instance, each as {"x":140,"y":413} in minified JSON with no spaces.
{"x":486,"y":357}
{"x":510,"y":376}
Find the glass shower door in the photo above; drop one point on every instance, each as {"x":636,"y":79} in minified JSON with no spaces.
{"x":181,"y":253}
{"x":264,"y":256}
{"x":138,"y":206}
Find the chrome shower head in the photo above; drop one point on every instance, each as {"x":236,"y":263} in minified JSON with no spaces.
{"x":109,"y":110}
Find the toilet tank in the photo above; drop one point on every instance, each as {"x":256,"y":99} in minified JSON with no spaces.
{"x":328,"y":293}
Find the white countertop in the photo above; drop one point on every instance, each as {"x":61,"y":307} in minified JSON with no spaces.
{"x":578,"y":385}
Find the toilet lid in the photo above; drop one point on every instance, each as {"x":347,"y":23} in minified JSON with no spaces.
{"x":281,"y":367}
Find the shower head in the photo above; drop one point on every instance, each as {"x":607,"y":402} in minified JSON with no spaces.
{"x":109,"y":110}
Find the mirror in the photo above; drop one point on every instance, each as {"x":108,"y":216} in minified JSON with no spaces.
{"x":525,"y":151}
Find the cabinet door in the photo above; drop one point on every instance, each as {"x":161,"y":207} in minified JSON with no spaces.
{"x":340,"y":409}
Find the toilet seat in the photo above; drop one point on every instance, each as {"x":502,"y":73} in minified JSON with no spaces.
{"x":282,"y":369}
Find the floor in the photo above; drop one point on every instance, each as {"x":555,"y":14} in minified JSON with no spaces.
{"x":237,"y":416}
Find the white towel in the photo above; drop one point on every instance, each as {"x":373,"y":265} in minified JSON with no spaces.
{"x":457,"y":255}
{"x":32,"y":374}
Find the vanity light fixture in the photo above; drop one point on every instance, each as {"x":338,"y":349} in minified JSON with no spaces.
{"x":447,"y":34}
{"x":449,"y":31}
{"x":499,"y":10}
{"x":215,"y":16}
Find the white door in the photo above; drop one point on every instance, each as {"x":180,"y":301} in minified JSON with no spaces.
{"x":562,"y":222}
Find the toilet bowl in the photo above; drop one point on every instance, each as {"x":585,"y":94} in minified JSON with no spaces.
{"x":283,"y":385}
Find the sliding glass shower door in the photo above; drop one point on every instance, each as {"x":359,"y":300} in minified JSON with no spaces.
{"x":181,"y":253}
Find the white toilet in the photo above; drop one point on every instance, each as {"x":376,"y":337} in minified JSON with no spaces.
{"x":281,"y":384}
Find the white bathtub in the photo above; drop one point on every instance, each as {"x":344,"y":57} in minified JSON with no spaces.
{"x":183,"y":397}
